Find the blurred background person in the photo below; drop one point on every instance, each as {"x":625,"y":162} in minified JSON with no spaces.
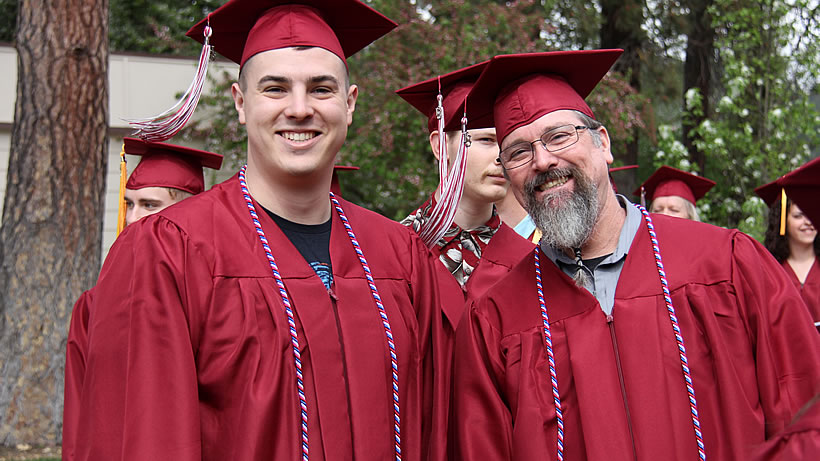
{"x":673,"y":192}
{"x":791,"y":236}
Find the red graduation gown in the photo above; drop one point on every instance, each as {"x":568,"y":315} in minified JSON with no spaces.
{"x":800,"y":441}
{"x":810,"y":289}
{"x":753,"y":356}
{"x":76,"y":353}
{"x":504,"y":250}
{"x":190,"y":355}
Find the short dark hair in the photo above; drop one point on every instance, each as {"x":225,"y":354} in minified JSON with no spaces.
{"x":243,"y":81}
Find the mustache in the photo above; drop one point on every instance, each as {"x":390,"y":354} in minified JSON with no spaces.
{"x":531,"y":185}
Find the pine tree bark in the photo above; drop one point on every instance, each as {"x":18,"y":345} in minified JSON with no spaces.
{"x":621,"y":28}
{"x":51,"y":231}
{"x":697,"y":73}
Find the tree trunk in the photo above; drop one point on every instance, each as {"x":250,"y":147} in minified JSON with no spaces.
{"x":697,"y":73}
{"x":621,"y":28}
{"x":52,"y":218}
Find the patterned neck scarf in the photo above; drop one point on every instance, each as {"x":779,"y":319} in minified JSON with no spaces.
{"x":459,"y":250}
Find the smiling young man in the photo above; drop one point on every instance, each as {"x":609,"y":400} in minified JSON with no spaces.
{"x":265,"y":318}
{"x":624,"y":336}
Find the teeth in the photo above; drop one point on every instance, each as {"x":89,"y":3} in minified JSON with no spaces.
{"x":302,"y":136}
{"x":553,"y":183}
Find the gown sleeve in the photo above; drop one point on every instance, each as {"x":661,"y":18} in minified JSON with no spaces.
{"x":75,"y":359}
{"x":799,"y":441}
{"x":780,"y":325}
{"x":139,"y":398}
{"x":482,"y":420}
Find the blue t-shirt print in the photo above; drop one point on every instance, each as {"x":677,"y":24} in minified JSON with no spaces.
{"x":324,"y":272}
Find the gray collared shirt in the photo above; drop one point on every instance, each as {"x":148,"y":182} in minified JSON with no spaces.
{"x":604,"y":278}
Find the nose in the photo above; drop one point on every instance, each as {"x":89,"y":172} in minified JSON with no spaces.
{"x":130,"y":217}
{"x":134,"y":214}
{"x":542,"y":159}
{"x":299,"y":106}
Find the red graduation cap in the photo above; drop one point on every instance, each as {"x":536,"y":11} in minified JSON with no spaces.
{"x":243,"y":28}
{"x":169,"y":165}
{"x":516,"y":89}
{"x":666,"y":181}
{"x":802,"y":186}
{"x":454,"y":88}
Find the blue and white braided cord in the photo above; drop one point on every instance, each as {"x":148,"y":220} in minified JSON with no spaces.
{"x":388,"y":332}
{"x":559,"y":415}
{"x":294,"y":337}
{"x":690,"y":389}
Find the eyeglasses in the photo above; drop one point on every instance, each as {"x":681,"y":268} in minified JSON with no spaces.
{"x":553,"y":140}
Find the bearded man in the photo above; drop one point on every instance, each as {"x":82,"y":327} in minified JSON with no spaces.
{"x":624,"y":335}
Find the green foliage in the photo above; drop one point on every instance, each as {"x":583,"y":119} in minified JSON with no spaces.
{"x":156,"y":26}
{"x":764,"y":123}
{"x":8,"y":20}
{"x":219,"y":125}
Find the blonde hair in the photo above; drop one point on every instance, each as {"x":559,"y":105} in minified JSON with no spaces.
{"x":178,"y":195}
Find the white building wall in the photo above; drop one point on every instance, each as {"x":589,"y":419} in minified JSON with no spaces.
{"x":140,"y":86}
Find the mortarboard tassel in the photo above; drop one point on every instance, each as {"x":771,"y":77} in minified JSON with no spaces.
{"x":165,"y":125}
{"x":643,"y":196}
{"x":451,"y":184}
{"x":123,"y":178}
{"x":782,"y":211}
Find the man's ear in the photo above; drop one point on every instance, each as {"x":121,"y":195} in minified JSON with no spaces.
{"x":434,"y":144}
{"x":352,"y":96}
{"x":606,"y":144}
{"x":238,"y":101}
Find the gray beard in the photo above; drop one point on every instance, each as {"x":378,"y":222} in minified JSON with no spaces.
{"x":566,"y":219}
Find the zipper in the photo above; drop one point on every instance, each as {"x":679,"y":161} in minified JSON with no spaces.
{"x":610,"y":322}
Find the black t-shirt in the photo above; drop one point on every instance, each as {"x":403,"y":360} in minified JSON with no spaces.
{"x":593,"y":263}
{"x":312,"y":241}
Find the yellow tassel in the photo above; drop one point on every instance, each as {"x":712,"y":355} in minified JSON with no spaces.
{"x":782,"y":211}
{"x":123,"y":178}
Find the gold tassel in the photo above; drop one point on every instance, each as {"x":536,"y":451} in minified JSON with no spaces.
{"x":782,"y":211}
{"x":123,"y":178}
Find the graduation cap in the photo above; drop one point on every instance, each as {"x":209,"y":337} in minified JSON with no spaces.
{"x":453,"y":88}
{"x":441,"y":100}
{"x":517,"y":89}
{"x":667,"y":181}
{"x":166,"y":165}
{"x":802,"y":186}
{"x":241,"y":29}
